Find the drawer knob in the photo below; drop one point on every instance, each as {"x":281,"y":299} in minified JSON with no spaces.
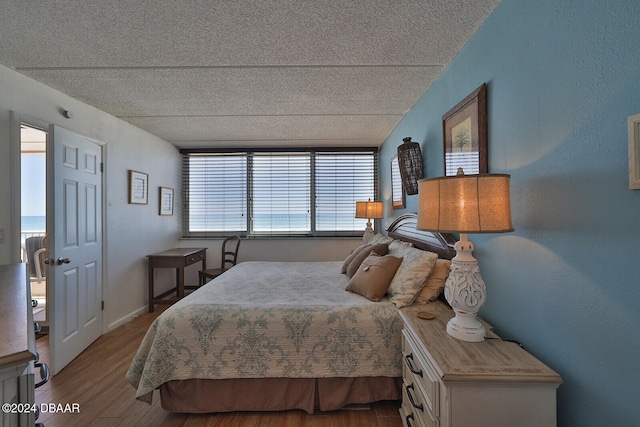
{"x":419,"y":407}
{"x":408,"y":358}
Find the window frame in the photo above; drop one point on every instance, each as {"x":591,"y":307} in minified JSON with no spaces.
{"x":249,"y":154}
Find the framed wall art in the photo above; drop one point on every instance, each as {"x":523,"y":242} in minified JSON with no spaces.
{"x":397,"y":190}
{"x":166,"y":201}
{"x":138,"y":187}
{"x":634,"y":152}
{"x":464,"y":130}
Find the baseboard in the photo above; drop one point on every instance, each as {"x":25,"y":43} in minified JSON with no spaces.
{"x":126,"y":319}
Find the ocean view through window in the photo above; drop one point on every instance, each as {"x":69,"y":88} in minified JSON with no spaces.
{"x":34,"y":224}
{"x":33,"y":182}
{"x":277,"y":193}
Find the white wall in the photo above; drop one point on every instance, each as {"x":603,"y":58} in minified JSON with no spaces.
{"x":131,"y":231}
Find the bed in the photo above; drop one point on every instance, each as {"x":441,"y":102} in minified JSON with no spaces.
{"x":268,"y":336}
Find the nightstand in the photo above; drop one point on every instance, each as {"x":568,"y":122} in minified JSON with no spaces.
{"x":453,"y":383}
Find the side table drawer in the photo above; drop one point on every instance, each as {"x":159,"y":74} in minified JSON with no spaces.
{"x":192,"y":259}
{"x":416,"y":369}
{"x":414,"y":411}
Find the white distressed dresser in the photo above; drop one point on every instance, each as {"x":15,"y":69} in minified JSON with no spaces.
{"x":452,"y":383}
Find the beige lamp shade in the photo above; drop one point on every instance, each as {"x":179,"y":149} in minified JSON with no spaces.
{"x":465,"y":204}
{"x":369,"y":210}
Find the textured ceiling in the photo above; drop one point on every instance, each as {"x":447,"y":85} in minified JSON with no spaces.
{"x":240,"y":72}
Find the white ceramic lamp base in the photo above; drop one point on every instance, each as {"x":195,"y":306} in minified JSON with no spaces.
{"x":466,"y":293}
{"x":368,"y":233}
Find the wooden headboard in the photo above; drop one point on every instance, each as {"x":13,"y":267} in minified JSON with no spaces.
{"x":404,"y":228}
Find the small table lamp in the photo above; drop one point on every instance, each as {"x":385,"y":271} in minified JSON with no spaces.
{"x":465,"y":204}
{"x":369,"y":210}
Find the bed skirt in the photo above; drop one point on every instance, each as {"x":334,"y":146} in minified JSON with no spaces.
{"x":275,"y":394}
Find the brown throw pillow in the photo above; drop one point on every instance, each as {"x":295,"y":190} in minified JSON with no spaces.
{"x":435,"y":283}
{"x":380,"y":249}
{"x":350,"y":258}
{"x":374,"y":275}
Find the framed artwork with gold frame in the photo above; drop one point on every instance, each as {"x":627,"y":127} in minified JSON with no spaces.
{"x":634,"y":152}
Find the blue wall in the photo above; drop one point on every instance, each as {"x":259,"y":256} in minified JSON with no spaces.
{"x":562,"y":78}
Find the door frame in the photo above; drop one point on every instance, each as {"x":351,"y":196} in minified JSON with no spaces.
{"x":16,"y":120}
{"x":16,"y":181}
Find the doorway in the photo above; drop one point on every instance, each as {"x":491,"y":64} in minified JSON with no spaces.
{"x":33,"y":215}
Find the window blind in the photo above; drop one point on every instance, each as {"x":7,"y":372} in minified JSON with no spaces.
{"x":215,"y":197}
{"x":341,"y":180}
{"x":309,"y":192}
{"x":281,"y":193}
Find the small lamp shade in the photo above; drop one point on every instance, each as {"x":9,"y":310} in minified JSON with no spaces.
{"x":369,"y":210}
{"x":410,"y":165}
{"x":465,"y":204}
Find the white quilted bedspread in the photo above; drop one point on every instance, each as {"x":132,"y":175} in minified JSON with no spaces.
{"x":267,"y":320}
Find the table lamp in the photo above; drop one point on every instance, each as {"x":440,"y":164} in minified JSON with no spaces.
{"x":465,"y":204}
{"x":369,"y":210}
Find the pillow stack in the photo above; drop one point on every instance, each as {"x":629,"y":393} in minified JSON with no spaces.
{"x":403,"y":274}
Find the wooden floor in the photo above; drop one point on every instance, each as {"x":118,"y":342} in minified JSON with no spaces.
{"x":95,"y":381}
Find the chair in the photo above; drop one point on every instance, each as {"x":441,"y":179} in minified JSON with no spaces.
{"x":230,"y":246}
{"x":36,"y":248}
{"x":37,"y":253}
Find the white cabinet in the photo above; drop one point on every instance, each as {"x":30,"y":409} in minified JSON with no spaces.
{"x":452,"y":383}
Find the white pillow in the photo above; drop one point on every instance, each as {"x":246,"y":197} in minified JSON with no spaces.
{"x":412,"y":273}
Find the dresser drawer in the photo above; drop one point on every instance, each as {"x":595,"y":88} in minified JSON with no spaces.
{"x":416,"y":369}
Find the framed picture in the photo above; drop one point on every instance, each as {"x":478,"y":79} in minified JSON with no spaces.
{"x":634,"y":152}
{"x":397,"y":190}
{"x":464,"y":130}
{"x":166,"y":201}
{"x":138,"y":187}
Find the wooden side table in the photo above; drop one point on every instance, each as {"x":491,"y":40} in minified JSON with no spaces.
{"x":178,"y":258}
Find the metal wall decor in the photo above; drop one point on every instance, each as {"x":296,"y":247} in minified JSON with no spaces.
{"x":410,"y":163}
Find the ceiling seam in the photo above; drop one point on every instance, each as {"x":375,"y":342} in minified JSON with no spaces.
{"x":203,"y":67}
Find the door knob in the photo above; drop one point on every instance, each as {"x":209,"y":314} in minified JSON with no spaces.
{"x":61,"y":261}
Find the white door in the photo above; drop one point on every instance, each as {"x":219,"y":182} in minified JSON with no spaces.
{"x":75,"y":244}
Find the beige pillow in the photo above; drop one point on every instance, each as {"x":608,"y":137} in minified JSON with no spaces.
{"x":350,"y":258}
{"x":412,"y":273}
{"x":435,"y":283}
{"x":380,"y":249}
{"x":373,"y":276}
{"x":379,"y":238}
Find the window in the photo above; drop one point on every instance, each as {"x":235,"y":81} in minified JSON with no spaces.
{"x":278,"y":193}
{"x":281,"y":193}
{"x":341,"y":180}
{"x":216,"y":192}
